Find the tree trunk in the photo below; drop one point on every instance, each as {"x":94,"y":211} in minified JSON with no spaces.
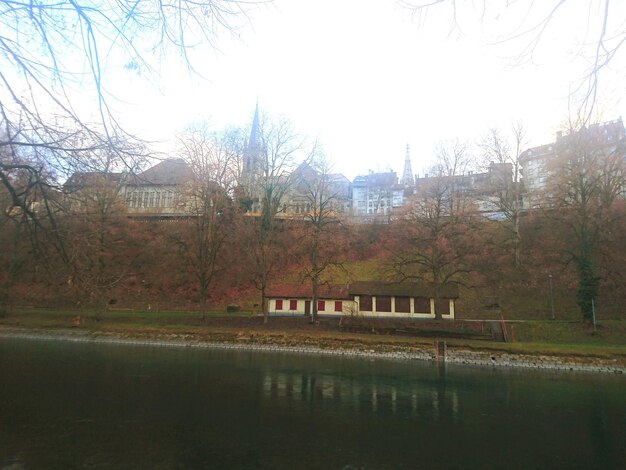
{"x":438,"y":316}
{"x":314,"y":308}
{"x":588,"y":286}
{"x":203,"y":304}
{"x":316,"y":289}
{"x":4,"y":298}
{"x":517,"y":238}
{"x":14,"y":267}
{"x":264,"y":307}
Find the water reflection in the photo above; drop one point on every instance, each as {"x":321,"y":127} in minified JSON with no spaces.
{"x":69,"y":405}
{"x":363,"y":396}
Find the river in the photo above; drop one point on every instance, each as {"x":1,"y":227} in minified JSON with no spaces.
{"x":81,"y":405}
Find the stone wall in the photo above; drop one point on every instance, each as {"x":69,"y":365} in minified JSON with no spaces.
{"x":479,"y":358}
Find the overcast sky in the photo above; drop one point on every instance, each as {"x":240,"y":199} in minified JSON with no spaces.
{"x":368,"y":77}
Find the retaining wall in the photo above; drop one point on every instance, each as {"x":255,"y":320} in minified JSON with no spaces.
{"x":479,"y":358}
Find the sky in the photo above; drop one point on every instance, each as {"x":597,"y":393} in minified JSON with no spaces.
{"x":366,"y":78}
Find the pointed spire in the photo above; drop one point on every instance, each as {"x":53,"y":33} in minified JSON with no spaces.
{"x":255,"y":132}
{"x":251,"y":153}
{"x":407,"y":174}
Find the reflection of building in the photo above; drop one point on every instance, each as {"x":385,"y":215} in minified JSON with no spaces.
{"x":364,"y":393}
{"x":369,"y":299}
{"x":542,"y":162}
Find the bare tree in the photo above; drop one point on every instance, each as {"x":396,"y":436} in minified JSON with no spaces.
{"x":586,"y":180}
{"x":452,"y":161}
{"x":208,"y":199}
{"x":56,"y":98}
{"x":599,"y":36}
{"x":434,"y":239}
{"x":452,"y":158}
{"x":13,"y":235}
{"x":268,"y":179}
{"x":55,"y":56}
{"x":322,"y":224}
{"x":12,"y":258}
{"x":44,"y":206}
{"x":94,"y":234}
{"x":508,"y":187}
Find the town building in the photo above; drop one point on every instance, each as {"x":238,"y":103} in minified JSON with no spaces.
{"x":539,"y":164}
{"x":296,"y":300}
{"x":406,"y":300}
{"x":295,"y":187}
{"x":83,"y":190}
{"x":477,"y":191}
{"x":375,"y":195}
{"x":159,"y":190}
{"x":155,"y":192}
{"x":307,"y":183}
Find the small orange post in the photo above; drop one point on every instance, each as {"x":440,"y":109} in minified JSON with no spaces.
{"x":504,"y":331}
{"x":77,"y":321}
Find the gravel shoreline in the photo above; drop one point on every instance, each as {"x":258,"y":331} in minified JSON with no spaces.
{"x":452,"y":356}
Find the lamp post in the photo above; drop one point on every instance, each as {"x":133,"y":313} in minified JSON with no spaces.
{"x":551,"y":297}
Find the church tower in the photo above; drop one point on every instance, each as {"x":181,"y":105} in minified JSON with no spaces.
{"x":407,"y":174}
{"x":253,"y":148}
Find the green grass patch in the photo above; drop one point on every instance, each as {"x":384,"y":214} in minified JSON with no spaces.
{"x":606,"y":332}
{"x":534,"y":337}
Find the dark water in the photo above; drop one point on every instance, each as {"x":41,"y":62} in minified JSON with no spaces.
{"x":65,"y":405}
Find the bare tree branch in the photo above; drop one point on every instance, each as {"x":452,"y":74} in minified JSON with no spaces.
{"x":602,"y":40}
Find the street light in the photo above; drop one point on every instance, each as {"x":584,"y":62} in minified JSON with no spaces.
{"x":551,"y":297}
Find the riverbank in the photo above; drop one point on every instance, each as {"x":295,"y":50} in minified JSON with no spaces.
{"x":454,"y":353}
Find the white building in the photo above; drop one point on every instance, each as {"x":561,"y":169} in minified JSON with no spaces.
{"x":376,"y":194}
{"x":540,"y":163}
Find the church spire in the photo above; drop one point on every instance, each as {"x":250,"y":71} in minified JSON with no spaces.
{"x":407,"y":174}
{"x":251,"y":153}
{"x":255,"y":133}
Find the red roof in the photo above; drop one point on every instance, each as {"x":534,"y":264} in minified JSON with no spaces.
{"x":305,"y":291}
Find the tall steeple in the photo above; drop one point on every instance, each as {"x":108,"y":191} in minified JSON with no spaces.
{"x":255,"y":132}
{"x":407,"y":174}
{"x":251,"y":153}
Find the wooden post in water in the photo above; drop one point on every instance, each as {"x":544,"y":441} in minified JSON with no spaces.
{"x":440,"y":351}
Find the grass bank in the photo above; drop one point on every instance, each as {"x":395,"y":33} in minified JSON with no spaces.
{"x":561,"y":339}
